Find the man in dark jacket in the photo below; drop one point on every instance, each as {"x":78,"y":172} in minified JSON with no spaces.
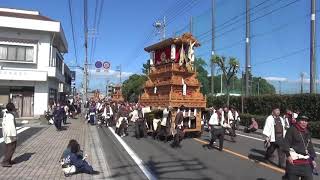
{"x":179,"y":128}
{"x":58,"y":115}
{"x":299,"y":151}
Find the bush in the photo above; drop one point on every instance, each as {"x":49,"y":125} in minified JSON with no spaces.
{"x":314,"y":128}
{"x":308,"y":104}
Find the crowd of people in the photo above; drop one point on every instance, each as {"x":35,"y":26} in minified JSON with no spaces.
{"x":60,"y":112}
{"x":287,"y":134}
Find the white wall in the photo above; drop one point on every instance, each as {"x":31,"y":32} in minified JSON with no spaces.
{"x":41,"y":97}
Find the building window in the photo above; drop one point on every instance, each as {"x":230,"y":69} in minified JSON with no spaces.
{"x":16,"y":53}
{"x":53,"y":95}
{"x":59,"y":62}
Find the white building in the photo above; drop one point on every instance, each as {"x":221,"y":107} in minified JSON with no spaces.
{"x":32,"y":71}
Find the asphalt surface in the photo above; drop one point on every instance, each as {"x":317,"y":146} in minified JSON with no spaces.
{"x":121,"y":165}
{"x":23,"y":136}
{"x":240,"y":160}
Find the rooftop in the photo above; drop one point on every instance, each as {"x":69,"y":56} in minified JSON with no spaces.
{"x":26,"y":14}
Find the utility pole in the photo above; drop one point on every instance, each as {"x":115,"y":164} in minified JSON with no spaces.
{"x":280,"y":87}
{"x":120,"y":71}
{"x":248,"y":53}
{"x":302,"y":79}
{"x":212,"y":47}
{"x":259,"y":86}
{"x":86,"y":48}
{"x":221,"y":82}
{"x":191,"y":24}
{"x":242,"y":91}
{"x":313,"y":48}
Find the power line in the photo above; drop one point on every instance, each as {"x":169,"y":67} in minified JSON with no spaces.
{"x":283,"y":56}
{"x":175,"y":13}
{"x":94,"y":29}
{"x":281,"y":27}
{"x":264,"y":15}
{"x":72,"y":28}
{"x":223,"y":25}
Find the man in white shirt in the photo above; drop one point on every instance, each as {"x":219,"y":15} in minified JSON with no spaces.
{"x":217,"y":131}
{"x":9,"y":135}
{"x":274,"y":131}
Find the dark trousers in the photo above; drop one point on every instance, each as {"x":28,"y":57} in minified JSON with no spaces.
{"x":276,"y":146}
{"x":92,"y":117}
{"x":178,"y":137}
{"x":8,"y":152}
{"x":140,"y":129}
{"x":164,"y":132}
{"x":57,"y":123}
{"x":249,"y":130}
{"x":65,"y":119}
{"x":123,"y":128}
{"x":217,"y":133}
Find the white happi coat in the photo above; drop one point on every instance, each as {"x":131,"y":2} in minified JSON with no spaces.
{"x":135,"y":115}
{"x":214,"y":120}
{"x":107,"y":115}
{"x":9,"y":131}
{"x":164,"y":117}
{"x":268,"y":129}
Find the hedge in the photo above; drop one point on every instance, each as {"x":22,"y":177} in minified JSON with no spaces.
{"x":307,"y":104}
{"x":314,"y":127}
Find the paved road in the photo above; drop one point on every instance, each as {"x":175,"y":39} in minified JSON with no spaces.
{"x":121,"y":165}
{"x":240,"y":160}
{"x":24,"y":133}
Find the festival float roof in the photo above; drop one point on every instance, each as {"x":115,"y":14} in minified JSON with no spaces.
{"x":184,"y":39}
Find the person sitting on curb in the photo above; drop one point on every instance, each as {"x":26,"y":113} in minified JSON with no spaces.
{"x":253,"y":127}
{"x":74,"y":161}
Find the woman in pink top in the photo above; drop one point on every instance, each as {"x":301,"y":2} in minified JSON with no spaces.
{"x":253,"y":127}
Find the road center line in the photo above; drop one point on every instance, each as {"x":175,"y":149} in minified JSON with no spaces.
{"x":134,"y":156}
{"x":245,"y":157}
{"x":19,"y":131}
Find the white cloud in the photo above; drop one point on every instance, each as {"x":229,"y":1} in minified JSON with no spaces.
{"x":275,"y":79}
{"x":111,"y":73}
{"x":305,"y":80}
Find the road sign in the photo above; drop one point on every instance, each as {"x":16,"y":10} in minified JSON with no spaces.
{"x":98,"y":64}
{"x":106,"y":65}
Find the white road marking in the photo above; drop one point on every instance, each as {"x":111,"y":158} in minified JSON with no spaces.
{"x":258,"y":139}
{"x":134,"y":156}
{"x":20,"y":130}
{"x":16,"y":128}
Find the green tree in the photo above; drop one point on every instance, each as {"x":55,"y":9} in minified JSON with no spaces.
{"x":229,"y":70}
{"x":133,"y":87}
{"x":202,"y":75}
{"x":146,"y":67}
{"x":261,"y":86}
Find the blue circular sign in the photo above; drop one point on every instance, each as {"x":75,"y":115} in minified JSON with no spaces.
{"x":98,"y":64}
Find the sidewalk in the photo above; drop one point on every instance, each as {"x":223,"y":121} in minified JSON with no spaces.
{"x":316,"y":142}
{"x":37,"y":158}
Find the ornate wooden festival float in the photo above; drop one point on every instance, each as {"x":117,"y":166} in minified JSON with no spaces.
{"x":172,"y":80}
{"x":117,"y":94}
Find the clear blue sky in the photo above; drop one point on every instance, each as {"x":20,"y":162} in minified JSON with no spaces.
{"x":126,"y":24}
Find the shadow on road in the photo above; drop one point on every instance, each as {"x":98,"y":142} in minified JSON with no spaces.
{"x":22,"y":158}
